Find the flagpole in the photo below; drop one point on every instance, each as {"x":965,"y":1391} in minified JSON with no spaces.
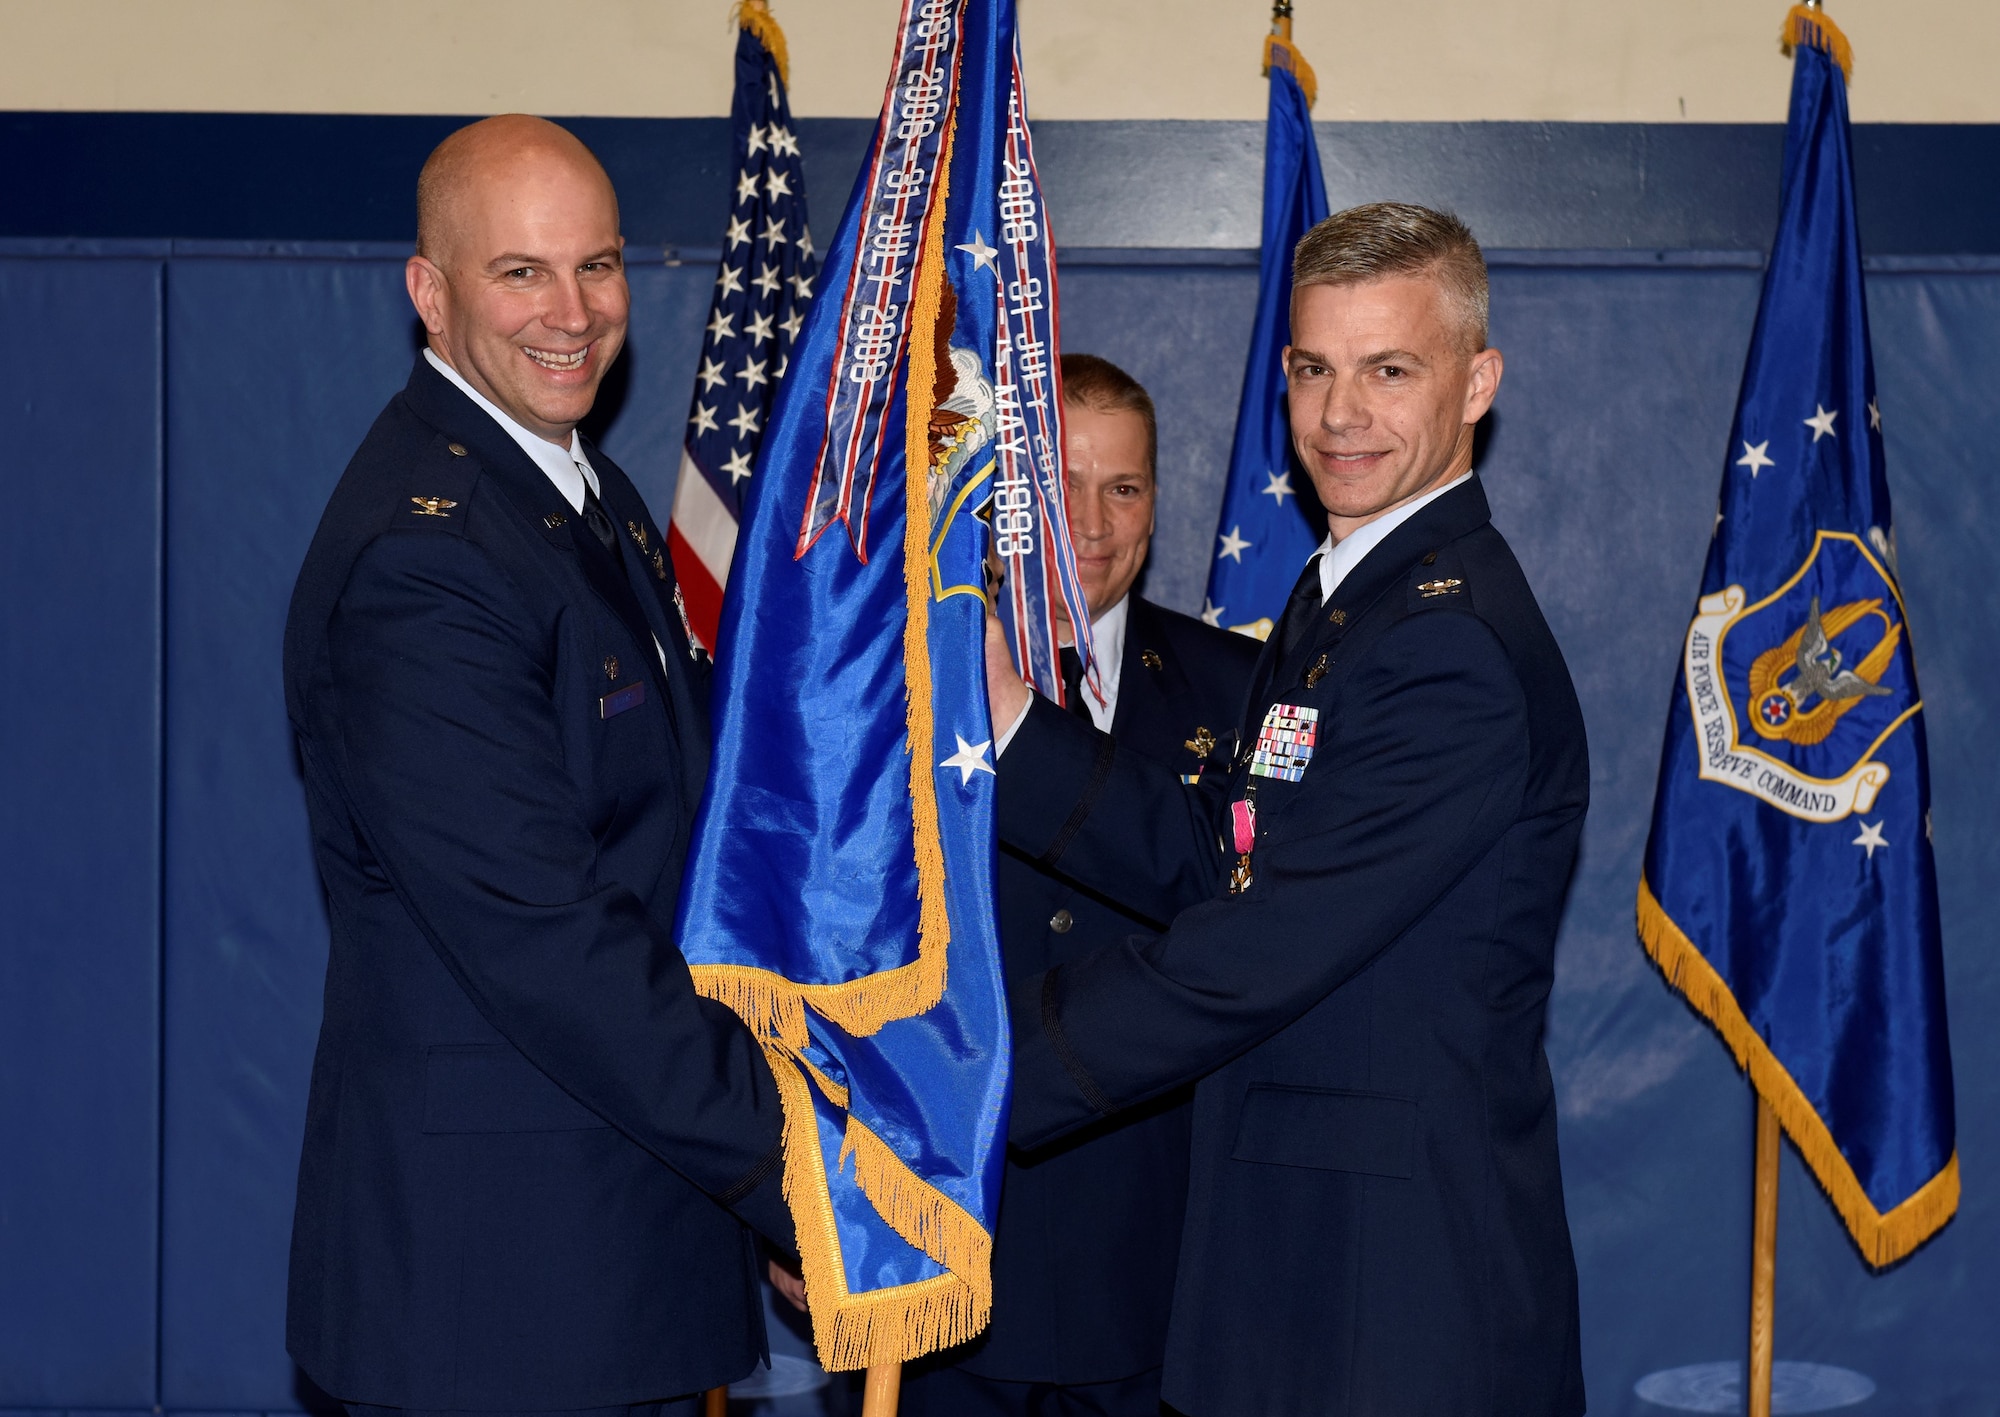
{"x":1763,"y":1262}
{"x":715,"y":1402}
{"x":884,"y":1389}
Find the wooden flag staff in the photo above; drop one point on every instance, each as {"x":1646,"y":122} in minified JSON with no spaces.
{"x":1763,"y":1262}
{"x":883,"y":1391}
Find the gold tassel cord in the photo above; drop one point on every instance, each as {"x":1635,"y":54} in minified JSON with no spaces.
{"x":1883,"y":1238}
{"x":1808,"y":24}
{"x":755,"y":16}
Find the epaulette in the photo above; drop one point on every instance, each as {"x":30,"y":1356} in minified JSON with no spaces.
{"x":1438,"y":580}
{"x":438,"y":490}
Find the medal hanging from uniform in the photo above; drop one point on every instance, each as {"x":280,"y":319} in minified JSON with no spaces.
{"x":1243,"y":818}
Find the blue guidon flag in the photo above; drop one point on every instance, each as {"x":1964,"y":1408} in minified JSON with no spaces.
{"x":1789,"y":890}
{"x":1271,"y":518}
{"x":840,"y":890}
{"x":762,"y":286}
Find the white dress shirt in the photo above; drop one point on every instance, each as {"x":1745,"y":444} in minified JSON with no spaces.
{"x":569,"y":470}
{"x":1107,"y":638}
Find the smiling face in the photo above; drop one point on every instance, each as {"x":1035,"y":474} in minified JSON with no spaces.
{"x":521,"y":282}
{"x":1383,"y":392}
{"x":1110,"y":499}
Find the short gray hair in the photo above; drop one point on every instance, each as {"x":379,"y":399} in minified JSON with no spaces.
{"x":1399,"y":238}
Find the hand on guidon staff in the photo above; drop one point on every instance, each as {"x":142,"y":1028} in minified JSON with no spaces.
{"x":1006,"y":695}
{"x":789,"y":1283}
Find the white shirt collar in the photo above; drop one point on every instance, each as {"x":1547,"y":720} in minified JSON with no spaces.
{"x":569,"y":471}
{"x":1107,"y":638}
{"x":1337,"y":558}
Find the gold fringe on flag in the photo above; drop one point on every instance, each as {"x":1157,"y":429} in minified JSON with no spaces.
{"x":851,"y":1330}
{"x":755,"y":16}
{"x":1808,"y":24}
{"x":1281,"y":52}
{"x":1882,"y":1238}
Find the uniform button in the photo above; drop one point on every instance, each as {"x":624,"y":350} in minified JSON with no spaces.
{"x":457,"y":450}
{"x":1061,"y":921}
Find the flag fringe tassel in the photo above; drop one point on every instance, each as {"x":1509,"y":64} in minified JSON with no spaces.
{"x":755,"y":16}
{"x":919,"y":1211}
{"x":1281,"y":53}
{"x":1882,"y":1238}
{"x":852,"y":1331}
{"x":1808,"y":24}
{"x":775,"y":1007}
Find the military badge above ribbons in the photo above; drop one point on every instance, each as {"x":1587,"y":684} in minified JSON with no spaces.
{"x":1789,"y":890}
{"x":840,"y":890}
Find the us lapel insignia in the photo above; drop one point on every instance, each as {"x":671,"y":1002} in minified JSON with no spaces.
{"x":1337,"y":618}
{"x":1151,"y":659}
{"x":1285,"y":742}
{"x":1430,"y":590}
{"x":1316,"y":673}
{"x":432,"y":506}
{"x":1202,"y":744}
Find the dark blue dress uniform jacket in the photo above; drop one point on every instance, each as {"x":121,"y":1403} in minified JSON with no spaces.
{"x":1090,"y":1228}
{"x":1375,"y":1218}
{"x":525,"y":1131}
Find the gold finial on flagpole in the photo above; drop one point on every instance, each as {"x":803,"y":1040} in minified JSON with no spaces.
{"x":1279,"y":49}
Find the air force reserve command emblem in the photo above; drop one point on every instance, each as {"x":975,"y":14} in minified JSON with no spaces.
{"x":1793,"y":696}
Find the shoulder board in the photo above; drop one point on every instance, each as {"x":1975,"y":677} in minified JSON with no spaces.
{"x":437,"y":493}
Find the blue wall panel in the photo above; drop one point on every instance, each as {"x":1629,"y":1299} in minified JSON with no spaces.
{"x":275,"y":369}
{"x":79,"y":830}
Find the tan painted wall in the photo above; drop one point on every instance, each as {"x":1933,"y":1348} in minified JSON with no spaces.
{"x":1594,"y":60}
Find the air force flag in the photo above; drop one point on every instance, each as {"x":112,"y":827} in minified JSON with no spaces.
{"x":1789,"y":890}
{"x":840,"y":889}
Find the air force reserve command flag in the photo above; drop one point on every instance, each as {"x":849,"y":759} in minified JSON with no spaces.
{"x":1789,"y":890}
{"x":840,"y":889}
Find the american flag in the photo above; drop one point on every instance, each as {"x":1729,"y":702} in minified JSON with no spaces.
{"x":761,"y":291}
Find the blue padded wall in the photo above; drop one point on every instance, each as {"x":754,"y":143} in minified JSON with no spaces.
{"x":275,"y":371}
{"x":79,"y":831}
{"x":192,"y":443}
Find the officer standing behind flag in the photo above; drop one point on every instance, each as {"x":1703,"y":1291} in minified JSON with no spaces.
{"x":1359,"y":972}
{"x":1089,"y":1231}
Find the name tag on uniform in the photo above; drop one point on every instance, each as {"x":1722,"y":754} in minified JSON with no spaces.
{"x":618,"y":700}
{"x":1285,"y":742}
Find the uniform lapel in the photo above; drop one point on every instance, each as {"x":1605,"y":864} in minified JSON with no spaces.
{"x":435,"y":400}
{"x":1147,"y":695}
{"x":1458,"y":513}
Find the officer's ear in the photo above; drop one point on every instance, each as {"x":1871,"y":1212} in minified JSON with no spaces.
{"x":426,"y":284}
{"x":1482,"y":383}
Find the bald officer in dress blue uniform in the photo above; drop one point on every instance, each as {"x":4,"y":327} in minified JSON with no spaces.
{"x":1360,"y":968}
{"x":532,"y":1155}
{"x":1089,"y":1229}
